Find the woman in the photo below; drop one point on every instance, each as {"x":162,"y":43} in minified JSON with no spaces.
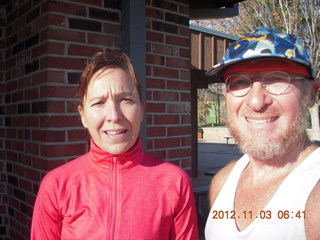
{"x":115,"y":191}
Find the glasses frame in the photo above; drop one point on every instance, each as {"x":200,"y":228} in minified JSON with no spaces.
{"x":290,"y":78}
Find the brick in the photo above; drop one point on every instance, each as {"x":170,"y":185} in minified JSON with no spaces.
{"x":98,"y":3}
{"x":178,"y":62}
{"x":35,"y":13}
{"x":184,"y":52}
{"x":185,"y":119}
{"x":185,"y":74}
{"x":48,"y":135}
{"x":31,"y":94}
{"x":156,"y":83}
{"x":186,"y":163}
{"x":184,"y":31}
{"x":175,"y":18}
{"x":74,"y":77}
{"x":24,"y":108}
{"x":104,"y":15}
{"x":59,"y":121}
{"x":33,"y":175}
{"x":24,"y":8}
{"x":155,"y":59}
{"x":57,"y":91}
{"x":186,"y":141}
{"x":19,"y":47}
{"x":167,"y":143}
{"x":62,"y":150}
{"x":33,"y":40}
{"x":165,"y":72}
{"x":155,"y":107}
{"x":165,"y":5}
{"x":156,"y":131}
{"x":178,"y":41}
{"x":155,"y":37}
{"x":165,"y":119}
{"x":96,"y":38}
{"x":161,"y":154}
{"x":179,"y":153}
{"x":81,"y":50}
{"x":164,"y":27}
{"x":185,"y":97}
{"x":48,"y":76}
{"x":56,"y":20}
{"x":179,"y":131}
{"x":62,"y":63}
{"x":112,"y":4}
{"x":178,"y":85}
{"x":178,"y":108}
{"x":24,"y":82}
{"x":55,"y":48}
{"x":63,"y":35}
{"x":165,"y":96}
{"x":31,"y":67}
{"x":165,"y":49}
{"x":19,"y":194}
{"x":78,"y":135}
{"x":63,"y":8}
{"x":89,"y":25}
{"x":155,"y":13}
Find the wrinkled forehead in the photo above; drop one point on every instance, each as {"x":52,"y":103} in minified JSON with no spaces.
{"x":267,"y":64}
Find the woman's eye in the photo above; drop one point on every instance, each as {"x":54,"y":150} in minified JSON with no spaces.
{"x":97,"y":103}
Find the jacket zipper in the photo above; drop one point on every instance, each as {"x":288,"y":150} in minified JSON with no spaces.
{"x":114,"y":200}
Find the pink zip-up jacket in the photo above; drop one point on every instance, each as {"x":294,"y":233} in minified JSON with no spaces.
{"x":126,"y":197}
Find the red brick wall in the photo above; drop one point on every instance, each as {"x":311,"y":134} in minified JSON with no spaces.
{"x":168,"y":82}
{"x":47,"y":46}
{"x":3,"y":182}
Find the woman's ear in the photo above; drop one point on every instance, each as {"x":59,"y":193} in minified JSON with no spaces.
{"x":143,"y":106}
{"x":83,"y":119}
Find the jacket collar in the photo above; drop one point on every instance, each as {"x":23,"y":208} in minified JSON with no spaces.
{"x":125,"y":160}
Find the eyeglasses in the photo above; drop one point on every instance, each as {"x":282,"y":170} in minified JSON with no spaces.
{"x":276,"y":83}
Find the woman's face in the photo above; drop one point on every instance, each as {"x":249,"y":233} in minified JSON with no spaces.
{"x":112,"y":110}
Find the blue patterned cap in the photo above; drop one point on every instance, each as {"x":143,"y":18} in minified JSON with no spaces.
{"x":260,"y":43}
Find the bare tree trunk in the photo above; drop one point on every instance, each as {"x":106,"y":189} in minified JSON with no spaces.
{"x":314,"y":112}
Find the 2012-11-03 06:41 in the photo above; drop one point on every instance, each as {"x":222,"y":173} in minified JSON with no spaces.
{"x":263,"y":214}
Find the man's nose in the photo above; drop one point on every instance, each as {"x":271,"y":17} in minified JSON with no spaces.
{"x":258,"y":98}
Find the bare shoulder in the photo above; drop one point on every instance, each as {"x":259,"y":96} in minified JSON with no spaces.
{"x":218,"y":181}
{"x":312,"y":221}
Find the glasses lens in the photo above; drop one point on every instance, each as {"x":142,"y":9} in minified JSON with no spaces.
{"x":276,"y":82}
{"x":238,"y":85}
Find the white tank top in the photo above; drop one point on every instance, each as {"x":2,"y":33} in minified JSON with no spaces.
{"x":285,"y":210}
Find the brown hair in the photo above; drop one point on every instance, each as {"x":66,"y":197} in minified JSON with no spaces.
{"x":105,"y":60}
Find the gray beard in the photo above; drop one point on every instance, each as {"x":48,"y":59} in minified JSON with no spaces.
{"x":271,"y":147}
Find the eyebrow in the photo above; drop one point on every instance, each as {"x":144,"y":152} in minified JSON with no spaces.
{"x":121,"y":94}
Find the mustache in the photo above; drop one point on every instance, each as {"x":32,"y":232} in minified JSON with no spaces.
{"x":265,"y":112}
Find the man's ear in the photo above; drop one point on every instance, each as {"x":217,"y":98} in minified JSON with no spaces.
{"x":315,"y":86}
{"x":224,"y":90}
{"x":83,"y":119}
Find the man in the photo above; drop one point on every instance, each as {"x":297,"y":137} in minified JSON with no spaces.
{"x":273,"y":191}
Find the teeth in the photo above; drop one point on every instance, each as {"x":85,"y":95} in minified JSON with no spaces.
{"x":114,"y":132}
{"x":260,"y":121}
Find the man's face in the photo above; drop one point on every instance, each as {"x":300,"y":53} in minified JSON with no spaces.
{"x":265,"y":126}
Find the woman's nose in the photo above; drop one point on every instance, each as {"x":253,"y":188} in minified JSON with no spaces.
{"x":258,"y":98}
{"x":113,"y":112}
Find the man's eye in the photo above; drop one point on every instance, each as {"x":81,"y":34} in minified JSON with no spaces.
{"x":239,"y":84}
